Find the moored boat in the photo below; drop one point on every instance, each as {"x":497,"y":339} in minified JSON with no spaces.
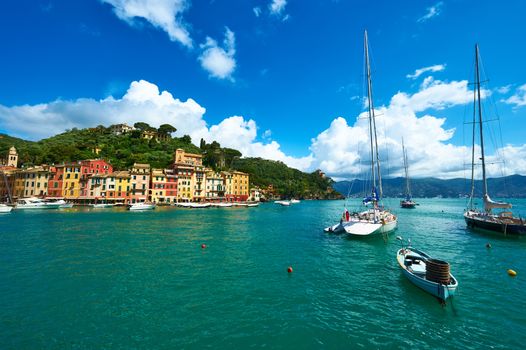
{"x":408,"y":202}
{"x":427,"y":273}
{"x":376,"y":219}
{"x":35,"y":203}
{"x":283,"y":203}
{"x":141,"y":206}
{"x":5,"y":208}
{"x":102,"y":205}
{"x":221,"y":204}
{"x":486,"y":220}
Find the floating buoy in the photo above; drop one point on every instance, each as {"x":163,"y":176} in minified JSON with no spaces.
{"x":203,"y":246}
{"x":512,"y":273}
{"x":488,"y":245}
{"x":289,"y":270}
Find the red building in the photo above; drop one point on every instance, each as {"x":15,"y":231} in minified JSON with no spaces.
{"x":55,"y":181}
{"x":87,"y":169}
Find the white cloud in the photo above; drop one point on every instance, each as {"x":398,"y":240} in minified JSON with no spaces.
{"x":519,"y":98}
{"x":432,"y":11}
{"x":219,"y":61}
{"x":163,"y":14}
{"x":504,"y":89}
{"x":257,"y":11}
{"x":142,"y":102}
{"x":277,"y":7}
{"x":419,"y":72}
{"x":343,"y":150}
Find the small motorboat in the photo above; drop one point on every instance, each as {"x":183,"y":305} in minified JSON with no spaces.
{"x":221,"y":205}
{"x":427,"y":273}
{"x":141,"y":206}
{"x":199,"y":205}
{"x":295,"y":201}
{"x":35,"y":203}
{"x":283,"y":203}
{"x":102,"y":205}
{"x":5,"y":208}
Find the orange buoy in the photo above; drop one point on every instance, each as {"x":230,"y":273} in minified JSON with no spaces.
{"x":289,"y":270}
{"x":203,"y":246}
{"x":512,"y":273}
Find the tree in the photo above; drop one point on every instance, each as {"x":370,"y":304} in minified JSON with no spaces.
{"x":142,"y":126}
{"x":186,"y":139}
{"x":166,"y":129}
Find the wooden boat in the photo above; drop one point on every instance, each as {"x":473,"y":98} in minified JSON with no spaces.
{"x":486,"y":220}
{"x":427,"y":273}
{"x":377,"y":219}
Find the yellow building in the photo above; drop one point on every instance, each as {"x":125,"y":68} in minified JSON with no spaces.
{"x":183,"y":158}
{"x":190,"y":176}
{"x":122,"y":186}
{"x":71,"y":184}
{"x":31,"y":182}
{"x":240,"y":185}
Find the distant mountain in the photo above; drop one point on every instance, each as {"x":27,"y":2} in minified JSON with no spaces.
{"x":513,"y":186}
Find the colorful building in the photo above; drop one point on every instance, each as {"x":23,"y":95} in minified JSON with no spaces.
{"x":215,"y":186}
{"x":139,"y":182}
{"x":164,"y":186}
{"x":240,"y":186}
{"x":55,"y":181}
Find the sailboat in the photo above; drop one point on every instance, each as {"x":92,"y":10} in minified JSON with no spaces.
{"x":485,"y":219}
{"x":375,"y":219}
{"x":408,"y":202}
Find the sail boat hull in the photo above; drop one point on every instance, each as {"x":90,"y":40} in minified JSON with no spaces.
{"x":407,"y":204}
{"x":493,"y":223}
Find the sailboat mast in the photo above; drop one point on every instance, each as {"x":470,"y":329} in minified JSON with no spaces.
{"x":485,"y":184}
{"x":372,"y":123}
{"x":406,"y":169}
{"x":369,"y":105}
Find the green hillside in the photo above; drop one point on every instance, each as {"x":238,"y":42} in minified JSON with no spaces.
{"x":124,"y":150}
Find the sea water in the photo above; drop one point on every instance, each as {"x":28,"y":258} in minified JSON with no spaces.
{"x":114,"y":279}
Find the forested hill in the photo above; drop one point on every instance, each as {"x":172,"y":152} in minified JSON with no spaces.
{"x":513,"y":186}
{"x":124,"y":150}
{"x":287,"y":181}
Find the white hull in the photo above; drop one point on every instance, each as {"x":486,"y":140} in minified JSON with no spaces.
{"x":253,"y":205}
{"x":35,"y":203}
{"x":361,"y":226}
{"x":141,"y":206}
{"x":221,"y":205}
{"x":295,"y":201}
{"x":102,"y":206}
{"x":283,"y":203}
{"x":5,"y":208}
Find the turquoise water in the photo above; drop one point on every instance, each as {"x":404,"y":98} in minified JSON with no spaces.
{"x":93,"y":279}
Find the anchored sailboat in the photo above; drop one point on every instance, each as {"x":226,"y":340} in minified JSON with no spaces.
{"x":375,"y":219}
{"x":486,"y":220}
{"x":408,"y":202}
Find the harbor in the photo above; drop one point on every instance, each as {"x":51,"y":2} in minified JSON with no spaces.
{"x":93,"y":279}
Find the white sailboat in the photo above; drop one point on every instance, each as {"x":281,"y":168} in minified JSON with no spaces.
{"x":408,"y":202}
{"x":376,"y":219}
{"x":485,"y":219}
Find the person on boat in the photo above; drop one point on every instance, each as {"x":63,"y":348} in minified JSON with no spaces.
{"x":347,"y":215}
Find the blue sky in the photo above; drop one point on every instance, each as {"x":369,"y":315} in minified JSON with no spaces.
{"x":269,"y":77}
